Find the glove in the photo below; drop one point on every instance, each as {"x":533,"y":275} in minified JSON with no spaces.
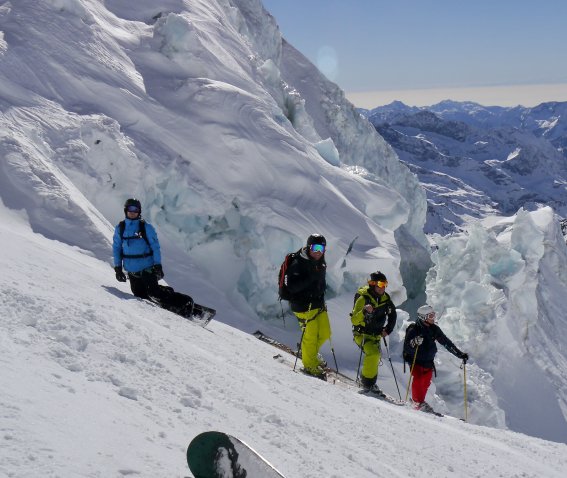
{"x":158,"y":271}
{"x":358,"y":329}
{"x":463,"y":356}
{"x":416,"y":341}
{"x":120,"y":276}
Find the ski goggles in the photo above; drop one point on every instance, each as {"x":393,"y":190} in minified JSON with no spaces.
{"x":317,"y":248}
{"x":378,"y":283}
{"x":133,"y":209}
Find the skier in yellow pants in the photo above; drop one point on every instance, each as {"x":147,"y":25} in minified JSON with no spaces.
{"x":305,"y":280}
{"x":316,"y":331}
{"x":373,"y":317}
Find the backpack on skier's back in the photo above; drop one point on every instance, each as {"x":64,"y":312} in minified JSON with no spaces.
{"x":141,"y":232}
{"x":283,"y":291}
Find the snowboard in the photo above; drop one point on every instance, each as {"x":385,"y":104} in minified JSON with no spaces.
{"x":200,"y":314}
{"x":215,"y":454}
{"x":182,"y":305}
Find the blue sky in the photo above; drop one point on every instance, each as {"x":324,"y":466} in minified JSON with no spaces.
{"x":429,"y":47}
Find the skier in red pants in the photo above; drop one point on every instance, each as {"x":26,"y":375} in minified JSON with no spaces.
{"x":420,"y":350}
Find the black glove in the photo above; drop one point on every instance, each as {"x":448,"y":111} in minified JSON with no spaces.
{"x":463,"y":356}
{"x":120,"y":276}
{"x":158,"y":271}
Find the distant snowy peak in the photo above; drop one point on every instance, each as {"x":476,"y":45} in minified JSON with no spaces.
{"x":542,"y":118}
{"x":475,"y":161}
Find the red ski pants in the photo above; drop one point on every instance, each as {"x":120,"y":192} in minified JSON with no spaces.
{"x":421,"y":381}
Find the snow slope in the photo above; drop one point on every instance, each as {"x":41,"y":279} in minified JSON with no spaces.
{"x":238,"y":149}
{"x":96,"y":383}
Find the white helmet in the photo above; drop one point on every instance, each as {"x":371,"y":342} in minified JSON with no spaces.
{"x":425,"y":312}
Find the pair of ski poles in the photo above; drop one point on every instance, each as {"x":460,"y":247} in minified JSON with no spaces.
{"x":389,"y":359}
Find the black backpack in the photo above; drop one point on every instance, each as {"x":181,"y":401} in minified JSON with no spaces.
{"x":141,"y":232}
{"x":408,"y":357}
{"x":283,"y":291}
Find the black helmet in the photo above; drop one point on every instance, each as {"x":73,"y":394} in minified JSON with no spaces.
{"x":132,"y":202}
{"x":378,"y":276}
{"x":316,"y":239}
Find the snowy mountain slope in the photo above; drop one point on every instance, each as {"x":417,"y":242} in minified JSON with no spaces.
{"x":475,"y":161}
{"x":96,"y":383}
{"x":238,"y":149}
{"x":182,"y":104}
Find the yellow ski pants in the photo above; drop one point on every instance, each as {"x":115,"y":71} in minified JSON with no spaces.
{"x":372,"y":354}
{"x":317,"y":330}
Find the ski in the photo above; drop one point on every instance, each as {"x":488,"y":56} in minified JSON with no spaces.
{"x":331,"y":374}
{"x":383,"y":396}
{"x":323,"y":376}
{"x":264,"y":338}
{"x":432,"y":412}
{"x":214,"y":454}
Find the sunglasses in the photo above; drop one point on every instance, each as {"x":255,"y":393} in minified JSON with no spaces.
{"x":378,"y":283}
{"x":317,"y":248}
{"x":133,"y":209}
{"x":430,"y":316}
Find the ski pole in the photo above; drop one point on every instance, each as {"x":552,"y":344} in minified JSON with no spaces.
{"x":283,"y":315}
{"x":411,"y":372}
{"x":392,"y":365}
{"x":465,"y":393}
{"x":299,"y":346}
{"x":360,"y":358}
{"x":334,"y":356}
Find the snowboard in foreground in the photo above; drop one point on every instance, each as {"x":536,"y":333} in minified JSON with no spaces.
{"x":218,"y":455}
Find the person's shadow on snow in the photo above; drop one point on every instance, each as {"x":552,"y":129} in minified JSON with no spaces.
{"x":118,"y":293}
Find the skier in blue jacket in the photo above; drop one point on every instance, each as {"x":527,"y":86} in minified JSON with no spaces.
{"x":136,"y":248}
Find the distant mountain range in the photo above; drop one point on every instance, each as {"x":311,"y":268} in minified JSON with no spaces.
{"x":475,"y":160}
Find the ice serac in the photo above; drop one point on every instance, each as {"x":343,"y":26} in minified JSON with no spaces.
{"x":501,"y":286}
{"x":186,"y":108}
{"x":319,"y":111}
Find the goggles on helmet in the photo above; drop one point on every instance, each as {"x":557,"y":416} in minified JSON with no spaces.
{"x":317,"y":248}
{"x":133,"y":209}
{"x":430,"y":316}
{"x":378,"y":283}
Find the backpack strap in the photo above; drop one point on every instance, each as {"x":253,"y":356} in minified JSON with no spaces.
{"x":143,"y":234}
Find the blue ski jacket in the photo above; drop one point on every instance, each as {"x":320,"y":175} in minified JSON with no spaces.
{"x":132,"y":251}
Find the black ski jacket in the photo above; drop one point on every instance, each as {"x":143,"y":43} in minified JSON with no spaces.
{"x":428,"y":349}
{"x":305,"y":280}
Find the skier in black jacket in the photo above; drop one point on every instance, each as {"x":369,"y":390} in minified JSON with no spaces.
{"x":420,"y":350}
{"x":305,"y":280}
{"x":373,"y":317}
